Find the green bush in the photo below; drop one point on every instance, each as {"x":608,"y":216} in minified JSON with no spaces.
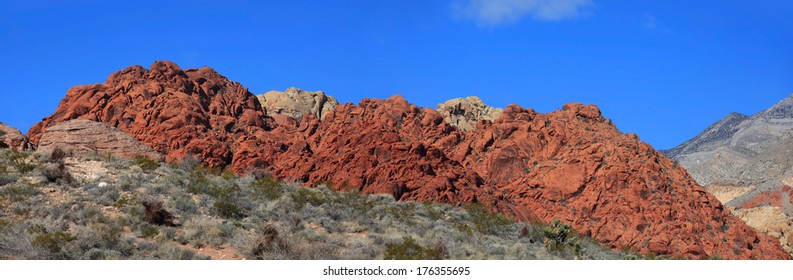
{"x":21,"y":162}
{"x":409,"y":249}
{"x":303,"y":196}
{"x":559,"y":236}
{"x":147,"y":231}
{"x":267,"y":187}
{"x":146,"y":163}
{"x":487,"y":222}
{"x":19,"y":192}
{"x":52,"y":241}
{"x":228,"y":209}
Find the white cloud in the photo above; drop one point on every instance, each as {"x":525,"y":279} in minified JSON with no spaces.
{"x":497,"y":12}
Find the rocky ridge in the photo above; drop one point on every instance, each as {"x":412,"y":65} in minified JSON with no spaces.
{"x":465,"y":113}
{"x":295,"y":103}
{"x":750,"y":157}
{"x":572,"y":164}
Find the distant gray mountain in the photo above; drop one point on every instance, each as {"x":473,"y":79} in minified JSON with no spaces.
{"x":743,"y":150}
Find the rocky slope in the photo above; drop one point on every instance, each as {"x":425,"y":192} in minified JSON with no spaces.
{"x":749,"y":156}
{"x":13,"y":138}
{"x":296,"y":102}
{"x":176,"y":112}
{"x":464,"y":113}
{"x":572,"y":164}
{"x":82,"y":138}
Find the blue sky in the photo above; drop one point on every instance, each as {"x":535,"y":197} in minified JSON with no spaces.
{"x":662,"y":69}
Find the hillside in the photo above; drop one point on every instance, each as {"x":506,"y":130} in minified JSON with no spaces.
{"x":571,"y":165}
{"x":750,"y":157}
{"x":112,"y":208}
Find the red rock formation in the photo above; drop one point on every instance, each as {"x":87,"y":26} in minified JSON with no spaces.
{"x":782,"y":198}
{"x":572,"y":164}
{"x":176,"y":112}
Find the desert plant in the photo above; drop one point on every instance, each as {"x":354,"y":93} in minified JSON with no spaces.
{"x":18,"y":192}
{"x":57,"y":155}
{"x":559,"y":236}
{"x":21,"y":162}
{"x":409,"y":249}
{"x":157,"y":215}
{"x":267,"y":187}
{"x":487,"y":222}
{"x":56,"y":171}
{"x":147,"y":231}
{"x":146,"y":163}
{"x":303,"y":196}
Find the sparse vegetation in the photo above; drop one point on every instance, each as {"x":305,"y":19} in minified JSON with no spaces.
{"x":487,"y":222}
{"x":560,"y":237}
{"x":147,"y":164}
{"x":141,"y":209}
{"x":408,"y":249}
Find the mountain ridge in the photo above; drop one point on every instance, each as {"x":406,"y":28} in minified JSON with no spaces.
{"x":571,"y":164}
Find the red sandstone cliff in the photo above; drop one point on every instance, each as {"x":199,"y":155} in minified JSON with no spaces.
{"x":571,"y":164}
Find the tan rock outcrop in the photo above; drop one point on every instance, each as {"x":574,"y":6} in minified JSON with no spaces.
{"x":772,"y":221}
{"x":464,"y":113}
{"x":13,"y":138}
{"x":85,"y":138}
{"x":296,"y":102}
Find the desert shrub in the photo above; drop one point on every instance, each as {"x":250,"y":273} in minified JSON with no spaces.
{"x":57,"y":155}
{"x":404,"y":211}
{"x":229,"y":201}
{"x":125,"y":199}
{"x":409,"y":249}
{"x":53,"y":241}
{"x":170,"y":251}
{"x":354,"y":200}
{"x":155,"y":214}
{"x":185,"y":204}
{"x":432,"y":212}
{"x":102,"y":254}
{"x":302,"y":196}
{"x":201,"y":231}
{"x":147,"y":231}
{"x":18,"y":192}
{"x":21,"y":162}
{"x":6,"y":179}
{"x":268,"y":241}
{"x":146,"y":163}
{"x":55,"y":172}
{"x":189,"y":163}
{"x":559,"y":236}
{"x":267,"y":187}
{"x":2,"y":133}
{"x":487,"y":222}
{"x":227,"y":208}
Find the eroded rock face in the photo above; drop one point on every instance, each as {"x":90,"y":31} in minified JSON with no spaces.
{"x":83,"y":138}
{"x":175,"y":112}
{"x":14,"y":139}
{"x":464,"y":113}
{"x":772,"y":221}
{"x":570,"y":165}
{"x":296,"y":102}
